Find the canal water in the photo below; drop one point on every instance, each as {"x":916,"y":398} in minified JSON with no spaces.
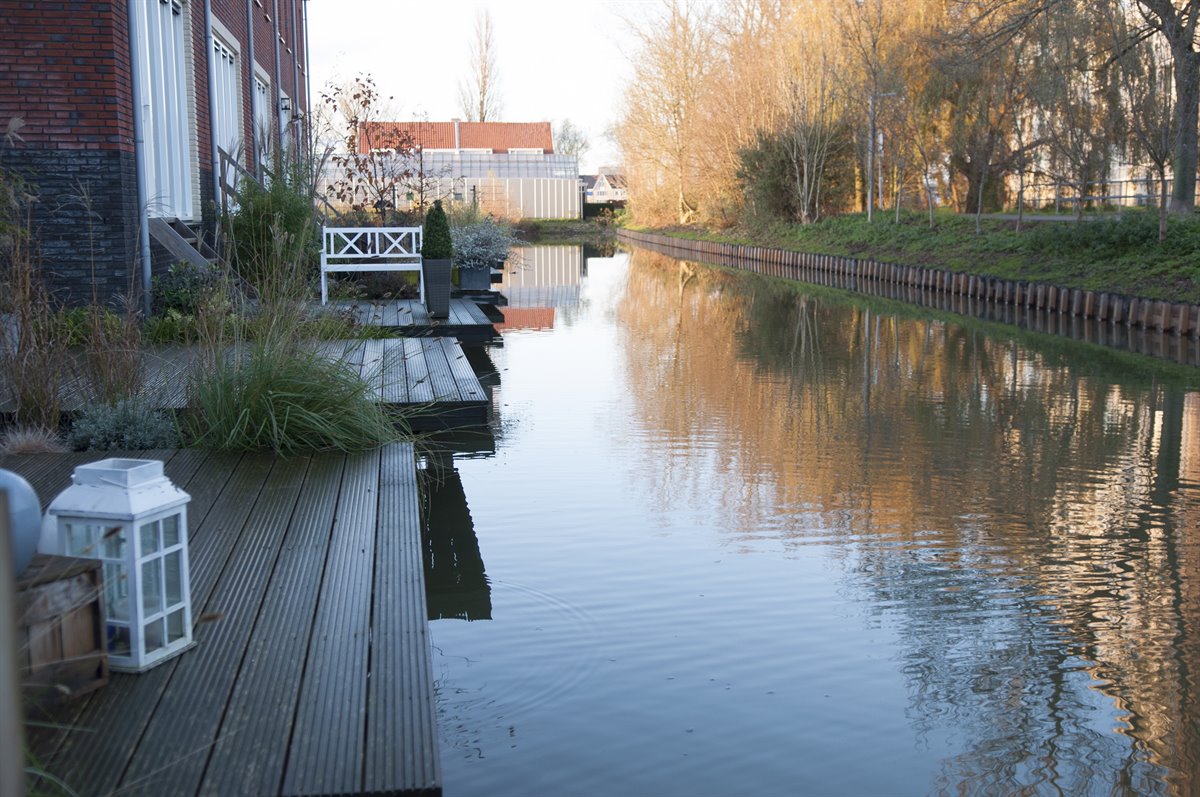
{"x":733,"y":537}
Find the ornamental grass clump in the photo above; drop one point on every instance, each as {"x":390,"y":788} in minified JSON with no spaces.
{"x":286,"y":397}
{"x":269,"y":383}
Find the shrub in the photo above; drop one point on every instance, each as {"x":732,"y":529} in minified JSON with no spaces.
{"x":127,"y":425}
{"x":436,"y":243}
{"x":481,"y":245}
{"x":273,"y":229}
{"x":170,"y":327}
{"x":183,"y":287}
{"x":74,"y":325}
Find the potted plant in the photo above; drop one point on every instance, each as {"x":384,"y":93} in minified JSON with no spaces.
{"x":478,"y":248}
{"x":437,"y":251}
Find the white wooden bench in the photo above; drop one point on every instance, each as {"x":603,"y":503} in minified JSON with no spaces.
{"x":361,"y":249}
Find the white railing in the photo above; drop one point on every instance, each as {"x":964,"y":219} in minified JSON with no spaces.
{"x":361,"y":249}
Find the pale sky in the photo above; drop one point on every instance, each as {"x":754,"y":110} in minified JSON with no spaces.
{"x":556,"y":58}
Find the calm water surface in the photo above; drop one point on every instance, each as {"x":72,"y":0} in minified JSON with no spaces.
{"x":733,"y":539}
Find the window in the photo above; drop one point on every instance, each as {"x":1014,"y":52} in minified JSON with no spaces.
{"x":227,"y":116}
{"x":264,"y":130}
{"x":162,"y":64}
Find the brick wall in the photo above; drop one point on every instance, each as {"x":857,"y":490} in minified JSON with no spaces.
{"x":85,"y":220}
{"x":64,"y":68}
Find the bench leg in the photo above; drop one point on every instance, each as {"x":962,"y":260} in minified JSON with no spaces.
{"x":324,"y":289}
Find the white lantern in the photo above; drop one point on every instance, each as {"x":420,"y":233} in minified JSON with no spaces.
{"x":130,"y":516}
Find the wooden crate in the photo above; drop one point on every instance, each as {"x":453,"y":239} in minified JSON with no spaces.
{"x":60,"y":628}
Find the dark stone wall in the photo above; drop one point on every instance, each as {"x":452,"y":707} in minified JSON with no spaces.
{"x":84,"y":220}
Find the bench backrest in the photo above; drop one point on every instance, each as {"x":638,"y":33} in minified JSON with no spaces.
{"x":346,"y":244}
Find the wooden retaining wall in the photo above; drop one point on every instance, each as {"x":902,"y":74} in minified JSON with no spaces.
{"x":1170,"y":330}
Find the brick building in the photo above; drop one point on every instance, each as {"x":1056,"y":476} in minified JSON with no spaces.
{"x":110,"y":91}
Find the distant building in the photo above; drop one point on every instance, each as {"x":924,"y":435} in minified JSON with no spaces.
{"x":509,"y":169}
{"x":605,"y":189}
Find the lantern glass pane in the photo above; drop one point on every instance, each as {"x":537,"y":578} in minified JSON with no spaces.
{"x":113,"y":545}
{"x":80,"y":539}
{"x":170,"y":530}
{"x":175,"y":626}
{"x":152,"y":635}
{"x":152,"y":587}
{"x":149,"y":538}
{"x":116,"y":591}
{"x":172,"y":564}
{"x":118,"y":640}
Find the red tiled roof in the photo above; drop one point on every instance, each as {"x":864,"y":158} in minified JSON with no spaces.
{"x":499,"y":137}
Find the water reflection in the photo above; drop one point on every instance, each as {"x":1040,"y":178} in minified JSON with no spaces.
{"x":1026,"y":527}
{"x":456,"y":585}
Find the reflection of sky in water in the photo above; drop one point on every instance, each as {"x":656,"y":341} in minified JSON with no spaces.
{"x":741,"y":541}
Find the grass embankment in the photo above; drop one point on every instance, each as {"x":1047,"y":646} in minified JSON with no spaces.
{"x":1118,"y":255}
{"x":566,"y":231}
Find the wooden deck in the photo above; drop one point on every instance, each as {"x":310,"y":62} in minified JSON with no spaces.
{"x":430,"y":378}
{"x":408,"y":317}
{"x":311,"y":673}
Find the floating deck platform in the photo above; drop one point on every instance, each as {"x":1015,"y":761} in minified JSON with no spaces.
{"x":311,"y":673}
{"x":431,"y":379}
{"x":408,"y":317}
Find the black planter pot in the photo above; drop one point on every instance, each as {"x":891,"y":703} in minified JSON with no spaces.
{"x":474,"y":279}
{"x":436,"y":274}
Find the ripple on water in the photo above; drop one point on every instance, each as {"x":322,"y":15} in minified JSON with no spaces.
{"x":544,"y":648}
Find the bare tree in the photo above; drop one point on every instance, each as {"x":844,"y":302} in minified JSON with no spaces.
{"x":570,"y":140}
{"x":811,"y":124}
{"x":370,"y":160}
{"x":479,"y":92}
{"x":659,"y":130}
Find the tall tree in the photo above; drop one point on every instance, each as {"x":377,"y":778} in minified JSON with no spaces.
{"x":479,"y":91}
{"x":570,"y":140}
{"x":659,"y":130}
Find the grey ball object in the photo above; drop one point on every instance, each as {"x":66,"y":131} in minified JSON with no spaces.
{"x":24,"y":519}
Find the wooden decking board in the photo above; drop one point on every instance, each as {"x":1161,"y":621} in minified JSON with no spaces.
{"x":441,"y":377}
{"x":211,"y":544}
{"x":372,"y":367}
{"x":204,"y":678}
{"x":401,"y":716}
{"x":396,"y":388}
{"x":250,"y":754}
{"x":126,"y":705}
{"x":420,"y":391}
{"x":469,"y":388}
{"x":300,"y":590}
{"x":409,"y":317}
{"x":326,"y":754}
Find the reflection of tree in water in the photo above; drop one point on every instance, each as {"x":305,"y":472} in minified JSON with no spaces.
{"x":1019,"y":523}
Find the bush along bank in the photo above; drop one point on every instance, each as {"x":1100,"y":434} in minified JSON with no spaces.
{"x":1177,"y":319}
